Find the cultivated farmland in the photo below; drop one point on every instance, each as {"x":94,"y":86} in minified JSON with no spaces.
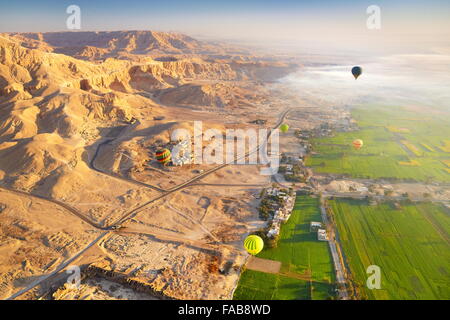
{"x":410,"y":244}
{"x":306,"y":270}
{"x":397,"y":144}
{"x":255,"y":285}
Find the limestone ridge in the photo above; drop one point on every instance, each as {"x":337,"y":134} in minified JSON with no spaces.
{"x":57,"y":89}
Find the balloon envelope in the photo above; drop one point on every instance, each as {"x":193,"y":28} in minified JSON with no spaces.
{"x":284,"y":128}
{"x":356,"y":71}
{"x":358,"y":143}
{"x":163,"y":156}
{"x":253,"y":244}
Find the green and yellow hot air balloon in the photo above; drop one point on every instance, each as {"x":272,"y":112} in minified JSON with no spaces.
{"x":163,"y":156}
{"x":253,"y":244}
{"x":284,"y":127}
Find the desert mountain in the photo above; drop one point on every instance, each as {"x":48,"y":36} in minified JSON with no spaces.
{"x":81,"y":112}
{"x":56,"y":101}
{"x":119,"y":44}
{"x":216,"y":94}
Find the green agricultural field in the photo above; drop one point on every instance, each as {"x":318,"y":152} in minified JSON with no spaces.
{"x":398,"y":144}
{"x":409,"y":244}
{"x":255,"y":285}
{"x":301,"y":255}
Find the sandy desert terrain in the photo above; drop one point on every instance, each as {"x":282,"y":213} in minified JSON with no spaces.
{"x":81,"y":117}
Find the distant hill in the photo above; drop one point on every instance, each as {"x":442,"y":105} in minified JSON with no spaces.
{"x":92,"y":45}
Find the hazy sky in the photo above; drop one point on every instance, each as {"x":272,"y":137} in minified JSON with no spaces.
{"x":404,"y":23}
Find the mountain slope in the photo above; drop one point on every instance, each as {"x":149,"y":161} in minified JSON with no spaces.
{"x":53,"y":106}
{"x":100,"y":45}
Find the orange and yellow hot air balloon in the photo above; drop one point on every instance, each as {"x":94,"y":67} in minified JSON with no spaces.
{"x":357,"y":144}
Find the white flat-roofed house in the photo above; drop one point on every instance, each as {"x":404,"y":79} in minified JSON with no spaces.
{"x":277,"y":215}
{"x":182,"y":154}
{"x":314,"y":225}
{"x":273,"y":232}
{"x":362,"y":189}
{"x":322,"y":235}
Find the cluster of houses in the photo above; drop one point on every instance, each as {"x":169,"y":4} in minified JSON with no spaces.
{"x":259,"y":121}
{"x":293,"y":168}
{"x":321,"y":233}
{"x":326,"y":127}
{"x":181,"y":153}
{"x":289,"y":169}
{"x":282,"y":212}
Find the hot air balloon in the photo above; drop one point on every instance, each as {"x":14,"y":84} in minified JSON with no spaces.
{"x":356,"y":71}
{"x":163,"y":156}
{"x":284,"y":128}
{"x":253,"y":244}
{"x":357,"y":144}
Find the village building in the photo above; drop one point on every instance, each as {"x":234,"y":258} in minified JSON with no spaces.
{"x":314,"y":226}
{"x":281,"y":213}
{"x":182,"y":154}
{"x":322,"y":235}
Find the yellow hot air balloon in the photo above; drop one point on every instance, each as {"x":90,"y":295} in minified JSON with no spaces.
{"x":357,"y":144}
{"x":284,"y":128}
{"x":253,"y":244}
